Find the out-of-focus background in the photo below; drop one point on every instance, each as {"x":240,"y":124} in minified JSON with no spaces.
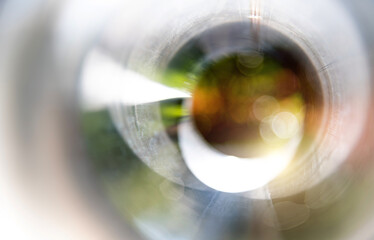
{"x":199,"y":119}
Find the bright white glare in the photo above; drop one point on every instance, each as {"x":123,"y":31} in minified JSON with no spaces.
{"x":254,"y":17}
{"x":229,"y":173}
{"x":105,"y":81}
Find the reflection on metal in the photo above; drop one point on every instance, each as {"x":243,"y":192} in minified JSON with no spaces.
{"x":140,"y":161}
{"x":228,"y":173}
{"x":286,"y":215}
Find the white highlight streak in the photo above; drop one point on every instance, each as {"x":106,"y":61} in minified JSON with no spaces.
{"x":105,"y":81}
